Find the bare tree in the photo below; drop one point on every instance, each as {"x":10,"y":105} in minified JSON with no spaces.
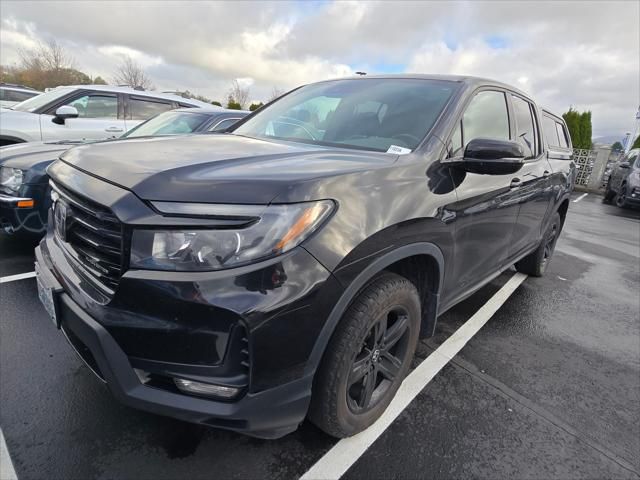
{"x":131,"y":73}
{"x":50,"y":56}
{"x":275,"y":93}
{"x":239,"y":94}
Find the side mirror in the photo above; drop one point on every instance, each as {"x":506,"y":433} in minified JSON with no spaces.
{"x":624,"y":165}
{"x":492,"y":157}
{"x":64,"y":112}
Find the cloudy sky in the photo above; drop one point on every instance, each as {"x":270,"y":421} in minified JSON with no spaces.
{"x":584,"y":54}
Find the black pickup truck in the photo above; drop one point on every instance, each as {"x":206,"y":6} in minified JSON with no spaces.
{"x":287,"y":268}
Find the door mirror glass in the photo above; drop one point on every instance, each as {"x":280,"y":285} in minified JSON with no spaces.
{"x":492,"y":156}
{"x":64,"y":112}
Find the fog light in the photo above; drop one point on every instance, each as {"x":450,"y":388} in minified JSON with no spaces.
{"x":208,"y":389}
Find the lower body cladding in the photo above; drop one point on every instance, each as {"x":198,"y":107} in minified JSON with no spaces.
{"x":25,"y":214}
{"x":230,"y":349}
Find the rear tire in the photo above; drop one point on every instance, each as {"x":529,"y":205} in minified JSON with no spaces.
{"x":535,"y":264}
{"x":621,"y":198}
{"x":367,"y":358}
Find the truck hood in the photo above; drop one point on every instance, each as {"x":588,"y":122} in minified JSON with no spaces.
{"x":25,"y":155}
{"x":215,"y":168}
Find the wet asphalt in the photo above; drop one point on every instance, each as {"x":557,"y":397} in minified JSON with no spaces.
{"x":549,"y":388}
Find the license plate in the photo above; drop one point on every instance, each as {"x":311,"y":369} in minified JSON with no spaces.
{"x":47,"y":297}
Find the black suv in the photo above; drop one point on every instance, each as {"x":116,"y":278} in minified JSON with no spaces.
{"x":287,"y":268}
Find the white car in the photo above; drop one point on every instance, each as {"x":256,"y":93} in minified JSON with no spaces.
{"x":11,"y":94}
{"x":84,"y":112}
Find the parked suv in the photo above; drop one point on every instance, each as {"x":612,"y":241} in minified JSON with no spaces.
{"x":84,"y":112}
{"x":624,"y":181}
{"x":287,"y":268}
{"x":11,"y":94}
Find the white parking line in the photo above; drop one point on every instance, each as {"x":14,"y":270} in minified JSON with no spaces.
{"x":580,"y":197}
{"x":7,"y":472}
{"x":19,"y":276}
{"x":348,"y":450}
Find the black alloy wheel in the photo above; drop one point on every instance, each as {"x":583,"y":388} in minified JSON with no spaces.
{"x":379,"y":361}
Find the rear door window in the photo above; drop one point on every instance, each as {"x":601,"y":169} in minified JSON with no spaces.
{"x":143,"y":108}
{"x":550,"y":131}
{"x":562,"y":135}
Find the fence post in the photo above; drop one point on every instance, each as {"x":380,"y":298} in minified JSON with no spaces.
{"x":599,"y":166}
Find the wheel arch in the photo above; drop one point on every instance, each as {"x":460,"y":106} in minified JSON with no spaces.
{"x":407,"y":260}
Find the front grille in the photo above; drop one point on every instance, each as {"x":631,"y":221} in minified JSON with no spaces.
{"x":92,"y":235}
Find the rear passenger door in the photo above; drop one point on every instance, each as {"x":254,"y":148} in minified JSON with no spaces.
{"x":532,"y":184}
{"x":139,"y":108}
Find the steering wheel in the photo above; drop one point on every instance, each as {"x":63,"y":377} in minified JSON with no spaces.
{"x":296,"y":123}
{"x":412,"y":138}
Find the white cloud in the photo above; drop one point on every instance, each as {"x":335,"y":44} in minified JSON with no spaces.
{"x":587,"y":57}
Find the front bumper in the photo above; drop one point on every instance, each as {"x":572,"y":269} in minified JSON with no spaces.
{"x":277,"y":390}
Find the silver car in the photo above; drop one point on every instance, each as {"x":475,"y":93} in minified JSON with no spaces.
{"x":85,"y":112}
{"x":624,"y":181}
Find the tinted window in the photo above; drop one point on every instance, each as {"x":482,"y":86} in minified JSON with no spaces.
{"x":140,"y":109}
{"x":15,"y":95}
{"x":224,"y":124}
{"x":96,"y":106}
{"x":550,"y":131}
{"x":169,"y":123}
{"x":372,"y":113}
{"x":562,"y":135}
{"x":486,"y":116}
{"x":525,"y":126}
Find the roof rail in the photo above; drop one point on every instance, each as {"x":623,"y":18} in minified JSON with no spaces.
{"x":3,"y":84}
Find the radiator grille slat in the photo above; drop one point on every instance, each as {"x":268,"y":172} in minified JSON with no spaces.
{"x":93,"y":237}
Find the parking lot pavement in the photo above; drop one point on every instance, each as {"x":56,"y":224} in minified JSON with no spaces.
{"x":549,"y":387}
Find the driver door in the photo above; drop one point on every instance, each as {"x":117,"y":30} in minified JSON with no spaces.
{"x":97,"y":119}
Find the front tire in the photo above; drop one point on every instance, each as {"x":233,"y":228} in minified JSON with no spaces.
{"x":608,"y":193}
{"x":367,"y":358}
{"x":535,"y":264}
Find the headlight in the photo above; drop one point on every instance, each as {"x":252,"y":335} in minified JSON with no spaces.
{"x":276,"y":230}
{"x":11,"y":178}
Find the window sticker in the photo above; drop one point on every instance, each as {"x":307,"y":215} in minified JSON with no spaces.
{"x":398,"y":150}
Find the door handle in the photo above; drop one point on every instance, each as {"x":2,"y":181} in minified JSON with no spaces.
{"x":515,"y":183}
{"x":114,"y":129}
{"x":546,"y":174}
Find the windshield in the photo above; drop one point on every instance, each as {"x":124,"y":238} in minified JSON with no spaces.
{"x":371,"y":114}
{"x":38,"y":101}
{"x":169,"y":123}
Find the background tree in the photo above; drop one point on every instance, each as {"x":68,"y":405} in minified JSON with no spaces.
{"x":580,"y":129}
{"x":617,"y":147}
{"x":46,"y":66}
{"x":255,"y":106}
{"x":216,"y":103}
{"x":99,"y":80}
{"x":131,"y":73}
{"x":275,"y":93}
{"x":239,"y":94}
{"x":232,"y":104}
